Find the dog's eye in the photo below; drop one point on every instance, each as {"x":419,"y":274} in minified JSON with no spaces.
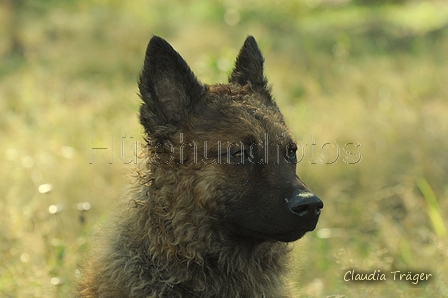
{"x":291,"y":152}
{"x":239,"y":155}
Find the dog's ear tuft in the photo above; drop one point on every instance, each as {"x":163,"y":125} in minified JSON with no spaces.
{"x":249,"y":65}
{"x":167,"y":86}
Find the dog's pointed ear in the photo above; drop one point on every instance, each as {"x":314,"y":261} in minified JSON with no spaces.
{"x":249,"y":65}
{"x":167,"y":86}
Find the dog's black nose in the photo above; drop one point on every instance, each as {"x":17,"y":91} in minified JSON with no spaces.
{"x":306,"y":204}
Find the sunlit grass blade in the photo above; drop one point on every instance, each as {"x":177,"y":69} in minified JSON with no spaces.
{"x":433,"y":207}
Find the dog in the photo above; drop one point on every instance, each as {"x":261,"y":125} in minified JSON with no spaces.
{"x":217,"y":198}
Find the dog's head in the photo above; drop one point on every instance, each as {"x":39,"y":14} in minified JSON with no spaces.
{"x":232,"y":142}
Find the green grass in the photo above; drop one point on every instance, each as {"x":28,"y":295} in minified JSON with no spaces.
{"x":370,"y":75}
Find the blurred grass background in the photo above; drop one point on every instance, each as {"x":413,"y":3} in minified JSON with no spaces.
{"x":366,"y":72}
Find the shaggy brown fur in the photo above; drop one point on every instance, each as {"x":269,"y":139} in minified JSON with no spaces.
{"x":218,"y":197}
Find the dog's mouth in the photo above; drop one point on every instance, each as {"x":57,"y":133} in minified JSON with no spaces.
{"x":289,"y":235}
{"x":298,"y":233}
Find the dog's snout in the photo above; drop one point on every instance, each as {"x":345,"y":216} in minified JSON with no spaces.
{"x":306,"y":204}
